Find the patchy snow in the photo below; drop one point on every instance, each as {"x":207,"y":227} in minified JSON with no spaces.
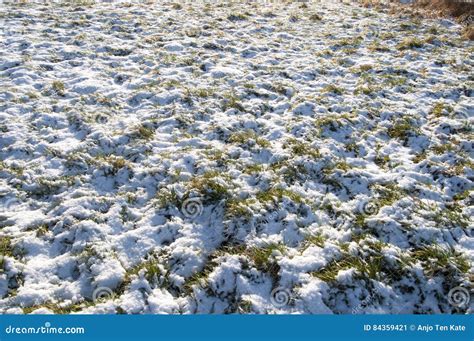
{"x":218,"y":158}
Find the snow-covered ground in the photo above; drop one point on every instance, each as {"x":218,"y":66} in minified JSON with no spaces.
{"x":227,"y":157}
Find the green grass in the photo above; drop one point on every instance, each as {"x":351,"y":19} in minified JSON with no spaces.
{"x":378,"y":46}
{"x":410,"y":43}
{"x":314,"y":239}
{"x":332,"y":122}
{"x":58,"y":87}
{"x":237,"y":17}
{"x":262,"y":257}
{"x":315,"y":17}
{"x":389,"y":194}
{"x":244,"y":307}
{"x":451,"y":217}
{"x":381,"y":160}
{"x":6,"y":250}
{"x":440,"y":108}
{"x":338,"y":164}
{"x":401,"y":129}
{"x":365,"y":268}
{"x":366,"y":89}
{"x":58,"y":309}
{"x":116,"y":162}
{"x":420,"y":157}
{"x":210,"y":186}
{"x":200,"y":277}
{"x":280,"y":87}
{"x":40,"y":229}
{"x":372,"y":265}
{"x":360,"y":220}
{"x":331,"y":88}
{"x":170,"y":83}
{"x":300,"y":148}
{"x":443,"y":148}
{"x":239,"y":208}
{"x":277,"y":194}
{"x":166,"y":198}
{"x":232,"y":101}
{"x":365,"y":67}
{"x":392,"y":80}
{"x":352,"y":41}
{"x":202,"y":92}
{"x":435,"y":258}
{"x":352,"y":147}
{"x":150,"y":267}
{"x":14,"y":170}
{"x":253,"y":168}
{"x":243,"y":137}
{"x":145,"y":133}
{"x":291,"y":172}
{"x":462,"y":195}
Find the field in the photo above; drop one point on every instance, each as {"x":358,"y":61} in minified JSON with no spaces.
{"x":228,"y":157}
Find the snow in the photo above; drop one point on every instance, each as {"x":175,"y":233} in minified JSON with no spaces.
{"x":305,"y":138}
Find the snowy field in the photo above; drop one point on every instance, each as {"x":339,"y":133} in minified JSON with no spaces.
{"x":234,"y":158}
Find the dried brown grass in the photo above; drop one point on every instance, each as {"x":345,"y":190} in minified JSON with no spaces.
{"x":461,"y":10}
{"x":458,"y":9}
{"x":468,"y":33}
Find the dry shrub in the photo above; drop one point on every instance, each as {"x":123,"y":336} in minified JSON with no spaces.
{"x":459,"y":9}
{"x":468,"y":33}
{"x":367,"y":3}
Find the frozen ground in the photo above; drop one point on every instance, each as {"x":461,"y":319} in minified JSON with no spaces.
{"x":251,"y":158}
